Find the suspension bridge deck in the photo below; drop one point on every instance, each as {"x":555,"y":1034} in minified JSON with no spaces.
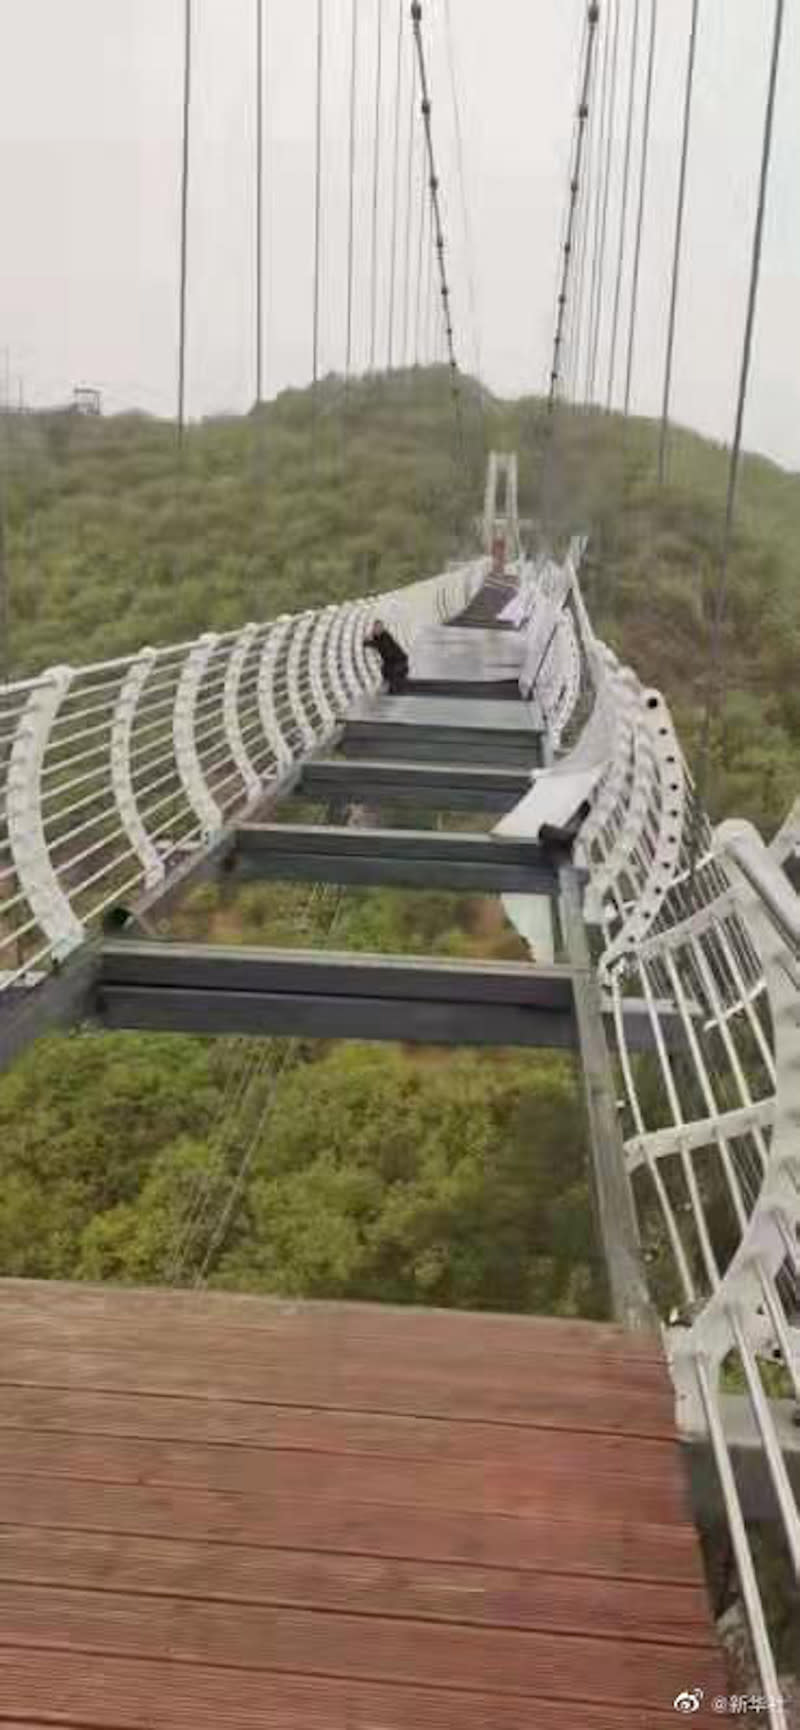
{"x":233,"y":1511}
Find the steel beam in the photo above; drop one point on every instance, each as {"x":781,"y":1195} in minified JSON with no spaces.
{"x":444,"y":787}
{"x":193,"y":988}
{"x":389,"y":741}
{"x":411,"y":858}
{"x":504,"y":690}
{"x":318,"y":994}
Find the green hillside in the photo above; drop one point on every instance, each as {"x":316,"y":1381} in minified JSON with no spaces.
{"x":111,"y":543}
{"x":369,"y":1171}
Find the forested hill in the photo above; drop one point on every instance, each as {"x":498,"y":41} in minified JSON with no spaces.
{"x":112,"y":543}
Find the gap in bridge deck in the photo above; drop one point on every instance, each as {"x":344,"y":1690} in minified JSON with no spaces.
{"x":386,"y":921}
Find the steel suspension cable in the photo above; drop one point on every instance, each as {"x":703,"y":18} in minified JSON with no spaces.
{"x":348,"y":363}
{"x":676,"y":263}
{"x":623,"y":219}
{"x":637,"y":251}
{"x":185,"y":159}
{"x":375,"y":191}
{"x":430,"y":342}
{"x":423,"y":225}
{"x":714,"y":687}
{"x":317,"y":232}
{"x":583,"y":223}
{"x":259,"y":199}
{"x":436,"y":218}
{"x":409,"y":184}
{"x":395,"y":180}
{"x":567,"y":200}
{"x":612,"y":100}
{"x":465,"y":216}
{"x":593,"y":16}
{"x":587,"y":52}
{"x":598,"y":204}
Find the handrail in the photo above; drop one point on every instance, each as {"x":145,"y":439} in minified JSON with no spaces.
{"x":181,"y":742}
{"x":688,"y":918}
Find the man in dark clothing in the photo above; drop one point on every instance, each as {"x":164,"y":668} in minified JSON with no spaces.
{"x":393,"y":658}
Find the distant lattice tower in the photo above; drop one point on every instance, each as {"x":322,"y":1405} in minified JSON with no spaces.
{"x":87,"y":400}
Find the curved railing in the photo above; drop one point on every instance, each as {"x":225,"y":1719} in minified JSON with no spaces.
{"x":704,"y":927}
{"x":112,"y":775}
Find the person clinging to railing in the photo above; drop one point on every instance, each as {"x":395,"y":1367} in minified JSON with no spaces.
{"x":393,"y":658}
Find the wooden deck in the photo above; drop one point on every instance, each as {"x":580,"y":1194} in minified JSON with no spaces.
{"x":225,"y":1513}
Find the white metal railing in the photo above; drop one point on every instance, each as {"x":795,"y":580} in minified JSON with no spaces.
{"x":112,"y":774}
{"x":703,"y":926}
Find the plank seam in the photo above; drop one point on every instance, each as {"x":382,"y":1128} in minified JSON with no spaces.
{"x":702,"y":1640}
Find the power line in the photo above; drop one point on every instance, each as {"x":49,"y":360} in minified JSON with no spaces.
{"x":623,"y":219}
{"x":187,"y":97}
{"x":676,"y":263}
{"x":637,"y":254}
{"x":219,"y":1231}
{"x":720,"y":598}
{"x":317,"y":233}
{"x":375,"y":191}
{"x":351,"y":192}
{"x":395,"y":178}
{"x":283,"y":1061}
{"x":259,"y":198}
{"x":612,"y":99}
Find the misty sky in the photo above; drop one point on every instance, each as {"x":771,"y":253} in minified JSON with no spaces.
{"x":90,"y":95}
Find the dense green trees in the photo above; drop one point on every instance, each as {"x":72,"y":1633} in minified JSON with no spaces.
{"x":358,"y":1171}
{"x":111,"y":543}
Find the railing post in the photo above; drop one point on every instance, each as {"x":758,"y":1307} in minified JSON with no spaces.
{"x":122,"y":725}
{"x":319,"y":636}
{"x":273,"y":732}
{"x":741,"y":843}
{"x":350,"y":662}
{"x":38,"y":879}
{"x":303,"y":626}
{"x":368,"y":671}
{"x":230,"y":704}
{"x":192,"y":779}
{"x":333,"y":648}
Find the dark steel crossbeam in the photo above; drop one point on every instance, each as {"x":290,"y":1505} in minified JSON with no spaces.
{"x":501,"y":690}
{"x":494,"y":747}
{"x":448,"y":786}
{"x":197,"y":988}
{"x":191,"y":988}
{"x":415,"y":859}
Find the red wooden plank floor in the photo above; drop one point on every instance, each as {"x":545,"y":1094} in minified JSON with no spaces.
{"x":232,"y":1512}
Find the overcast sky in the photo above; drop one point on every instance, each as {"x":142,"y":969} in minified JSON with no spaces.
{"x":90,"y":94}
